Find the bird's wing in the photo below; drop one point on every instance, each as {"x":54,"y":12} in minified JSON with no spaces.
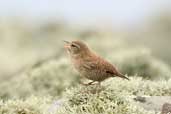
{"x":90,"y":65}
{"x":99,"y":64}
{"x":103,"y":66}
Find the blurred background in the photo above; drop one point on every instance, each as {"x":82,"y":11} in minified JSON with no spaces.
{"x":33,"y":30}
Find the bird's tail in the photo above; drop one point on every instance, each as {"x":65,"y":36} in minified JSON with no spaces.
{"x":122,"y":76}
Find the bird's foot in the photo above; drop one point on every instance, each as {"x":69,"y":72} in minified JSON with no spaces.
{"x":91,"y":83}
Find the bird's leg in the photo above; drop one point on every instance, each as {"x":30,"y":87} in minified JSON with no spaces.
{"x":99,"y":83}
{"x":90,"y":83}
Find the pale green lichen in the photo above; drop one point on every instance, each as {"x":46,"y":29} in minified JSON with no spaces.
{"x":53,"y":77}
{"x":140,"y":62}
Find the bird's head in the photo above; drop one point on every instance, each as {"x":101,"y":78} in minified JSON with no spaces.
{"x":76,"y":48}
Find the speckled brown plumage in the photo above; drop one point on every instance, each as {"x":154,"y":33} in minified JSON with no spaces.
{"x":89,"y":64}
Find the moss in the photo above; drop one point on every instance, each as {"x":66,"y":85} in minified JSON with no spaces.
{"x":140,"y":62}
{"x":31,"y":105}
{"x":138,"y":86}
{"x":84,"y":100}
{"x":50,"y":78}
{"x":112,"y":97}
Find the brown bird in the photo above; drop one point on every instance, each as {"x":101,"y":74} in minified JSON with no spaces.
{"x":90,"y":65}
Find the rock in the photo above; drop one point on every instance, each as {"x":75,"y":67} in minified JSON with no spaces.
{"x":153,"y":103}
{"x":140,"y":99}
{"x":166,"y":109}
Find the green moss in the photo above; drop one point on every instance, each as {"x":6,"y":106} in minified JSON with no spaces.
{"x":99,"y":100}
{"x":52,"y":78}
{"x":138,"y":86}
{"x":140,"y":62}
{"x":31,"y":105}
{"x":112,"y":97}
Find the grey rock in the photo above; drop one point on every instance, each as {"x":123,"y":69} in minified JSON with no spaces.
{"x":166,"y":109}
{"x":154,"y":103}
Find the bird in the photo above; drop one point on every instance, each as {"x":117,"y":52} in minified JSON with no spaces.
{"x":90,"y":65}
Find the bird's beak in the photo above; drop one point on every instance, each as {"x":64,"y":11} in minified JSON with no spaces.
{"x":67,"y":44}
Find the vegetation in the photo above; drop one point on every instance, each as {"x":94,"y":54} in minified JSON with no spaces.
{"x":37,"y":78}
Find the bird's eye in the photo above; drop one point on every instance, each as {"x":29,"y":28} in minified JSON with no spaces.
{"x":73,"y":45}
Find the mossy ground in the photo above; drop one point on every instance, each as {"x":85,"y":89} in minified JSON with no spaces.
{"x":54,"y":80}
{"x":52,"y":86}
{"x":112,"y":97}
